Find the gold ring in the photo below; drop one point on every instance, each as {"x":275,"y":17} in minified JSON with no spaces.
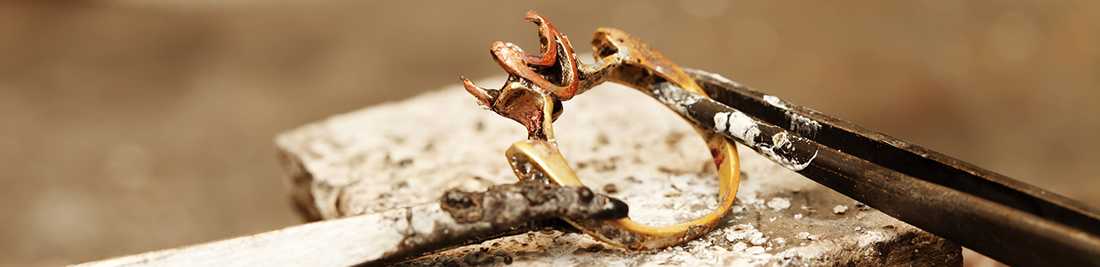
{"x":532,"y":97}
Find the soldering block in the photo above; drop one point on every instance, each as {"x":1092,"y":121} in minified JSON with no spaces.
{"x":618,"y":141}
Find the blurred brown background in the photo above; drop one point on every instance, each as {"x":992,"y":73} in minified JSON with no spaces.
{"x":128,"y":126}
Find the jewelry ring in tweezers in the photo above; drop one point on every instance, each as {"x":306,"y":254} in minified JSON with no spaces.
{"x":532,"y":95}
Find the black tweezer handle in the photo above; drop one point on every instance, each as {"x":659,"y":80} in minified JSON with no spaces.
{"x":1008,"y":220}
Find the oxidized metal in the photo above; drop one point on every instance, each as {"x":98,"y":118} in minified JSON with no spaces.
{"x":508,"y":205}
{"x":532,"y":96}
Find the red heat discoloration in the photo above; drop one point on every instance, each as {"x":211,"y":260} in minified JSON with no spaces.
{"x":718,"y":157}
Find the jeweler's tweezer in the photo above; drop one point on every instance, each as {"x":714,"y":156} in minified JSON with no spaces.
{"x":1008,"y":220}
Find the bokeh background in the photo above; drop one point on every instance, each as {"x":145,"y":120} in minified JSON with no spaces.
{"x":129,"y":126}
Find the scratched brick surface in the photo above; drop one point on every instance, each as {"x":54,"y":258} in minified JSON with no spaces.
{"x":617,"y":140}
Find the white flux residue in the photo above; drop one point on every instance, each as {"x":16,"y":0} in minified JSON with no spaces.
{"x":779,"y":203}
{"x":799,"y":124}
{"x":745,"y":128}
{"x":746,"y":232}
{"x":782,"y":141}
{"x":678,"y":100}
{"x":774,"y":101}
{"x":738,"y":124}
{"x":735,"y":123}
{"x":803,"y":126}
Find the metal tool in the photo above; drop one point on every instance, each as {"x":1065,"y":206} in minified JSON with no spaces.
{"x":1005,"y":219}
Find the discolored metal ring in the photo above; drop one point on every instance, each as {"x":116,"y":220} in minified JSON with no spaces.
{"x":532,"y":97}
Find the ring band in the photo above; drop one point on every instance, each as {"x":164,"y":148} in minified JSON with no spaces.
{"x":533,"y":101}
